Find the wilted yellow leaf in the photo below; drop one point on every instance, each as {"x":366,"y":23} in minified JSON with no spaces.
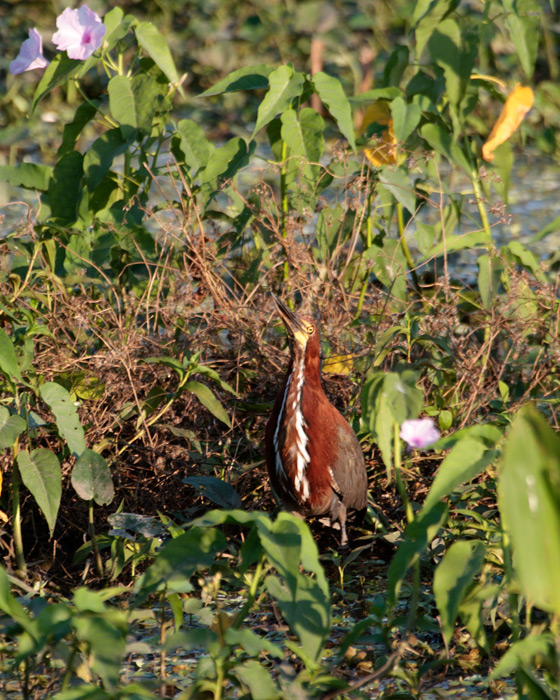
{"x":338,"y":364}
{"x":518,"y":103}
{"x":385,"y":150}
{"x":3,"y":516}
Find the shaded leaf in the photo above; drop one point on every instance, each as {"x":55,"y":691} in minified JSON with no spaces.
{"x":257,"y":679}
{"x":32,"y":176}
{"x":247,"y":78}
{"x":8,"y":360}
{"x":219,"y":492}
{"x":41,"y":474}
{"x":452,"y":579}
{"x":10,"y":427}
{"x":91,"y":478}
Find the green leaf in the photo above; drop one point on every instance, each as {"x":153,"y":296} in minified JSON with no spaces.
{"x":91,"y":478}
{"x":452,"y":579}
{"x":471,"y":611}
{"x":398,"y":184}
{"x":468,"y":458}
{"x":179,"y":559}
{"x":303,"y":134}
{"x":247,"y":78}
{"x":219,"y":492}
{"x":155,"y":45}
{"x":284,"y":86}
{"x":10,"y":428}
{"x":194,"y":145}
{"x":257,"y":679}
{"x":59,"y":70}
{"x":529,"y":502}
{"x":8,"y":360}
{"x":209,"y":400}
{"x":473,"y":239}
{"x":83,"y":115}
{"x":132,"y":102}
{"x":29,"y":175}
{"x":524,"y":654}
{"x":65,"y":187}
{"x":454,"y":49}
{"x":223,"y":166}
{"x":251,"y":642}
{"x":406,"y":118}
{"x":426,"y":18}
{"x":10,"y":606}
{"x":66,"y":415}
{"x":440,"y":140}
{"x":523,"y":19}
{"x":40,"y":472}
{"x":332,"y":96}
{"x":417,"y":536}
{"x":100,"y":155}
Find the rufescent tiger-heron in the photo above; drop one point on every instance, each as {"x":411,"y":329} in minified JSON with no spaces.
{"x":315,"y":462}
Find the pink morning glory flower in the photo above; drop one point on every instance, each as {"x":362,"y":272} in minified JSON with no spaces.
{"x":419,"y":433}
{"x":30,"y":55}
{"x":80,"y":32}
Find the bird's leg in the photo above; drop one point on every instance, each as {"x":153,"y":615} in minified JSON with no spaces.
{"x":340,"y":516}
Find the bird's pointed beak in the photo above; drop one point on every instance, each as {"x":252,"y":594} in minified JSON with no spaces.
{"x":294,"y":324}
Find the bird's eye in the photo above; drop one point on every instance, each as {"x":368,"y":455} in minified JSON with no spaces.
{"x":310,"y":329}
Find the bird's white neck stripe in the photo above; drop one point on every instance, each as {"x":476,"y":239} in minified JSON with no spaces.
{"x":301,"y":484}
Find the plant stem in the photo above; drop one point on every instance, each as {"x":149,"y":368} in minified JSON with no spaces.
{"x":162,"y":642}
{"x":512,"y":597}
{"x":93,"y":537}
{"x":251,"y":595}
{"x":21,"y":567}
{"x":404,"y":247}
{"x":398,"y":475}
{"x":284,"y":201}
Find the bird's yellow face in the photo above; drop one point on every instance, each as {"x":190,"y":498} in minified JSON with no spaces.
{"x":304,"y":332}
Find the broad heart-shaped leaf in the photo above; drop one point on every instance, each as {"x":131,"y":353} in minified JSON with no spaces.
{"x":454,"y":49}
{"x":441,"y":141}
{"x":40,"y":472}
{"x":8,"y":360}
{"x":29,"y":175}
{"x":132,"y":102}
{"x":65,"y":187}
{"x":83,"y":115}
{"x":452,"y":579}
{"x":306,"y":609}
{"x":195,"y":146}
{"x":207,"y":398}
{"x":406,"y":118}
{"x":179,"y":559}
{"x":219,"y":492}
{"x":332,"y":96}
{"x":426,"y":18}
{"x":284,"y":86}
{"x":59,"y":70}
{"x":417,"y":536}
{"x":155,"y":45}
{"x":100,"y":155}
{"x":397,"y":182}
{"x":91,"y":478}
{"x":522,"y":19}
{"x":66,"y":415}
{"x":223,"y":166}
{"x":468,"y":458}
{"x":10,"y":428}
{"x":529,"y":501}
{"x":303,"y":134}
{"x":523,"y":653}
{"x":257,"y":679}
{"x":247,"y":78}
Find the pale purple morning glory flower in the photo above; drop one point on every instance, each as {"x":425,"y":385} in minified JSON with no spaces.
{"x":80,"y":32}
{"x":419,"y":433}
{"x":30,"y":55}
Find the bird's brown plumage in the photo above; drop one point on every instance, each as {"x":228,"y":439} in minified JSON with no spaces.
{"x":314,"y":460}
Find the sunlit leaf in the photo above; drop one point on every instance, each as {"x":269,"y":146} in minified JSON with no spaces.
{"x":332,"y":96}
{"x":247,"y":78}
{"x":91,"y":478}
{"x":339,"y":364}
{"x":155,"y":45}
{"x":523,"y":21}
{"x":8,"y":360}
{"x":32,"y":176}
{"x":524,"y":653}
{"x":518,"y":103}
{"x":284,"y":86}
{"x":257,"y":679}
{"x":66,"y":415}
{"x":209,"y":400}
{"x":10,"y":427}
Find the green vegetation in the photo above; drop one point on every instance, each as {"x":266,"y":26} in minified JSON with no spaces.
{"x":179,"y":178}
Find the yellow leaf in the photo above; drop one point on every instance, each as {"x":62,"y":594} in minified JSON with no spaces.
{"x":518,"y":103}
{"x":3,"y":516}
{"x":338,"y":364}
{"x":385,"y":149}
